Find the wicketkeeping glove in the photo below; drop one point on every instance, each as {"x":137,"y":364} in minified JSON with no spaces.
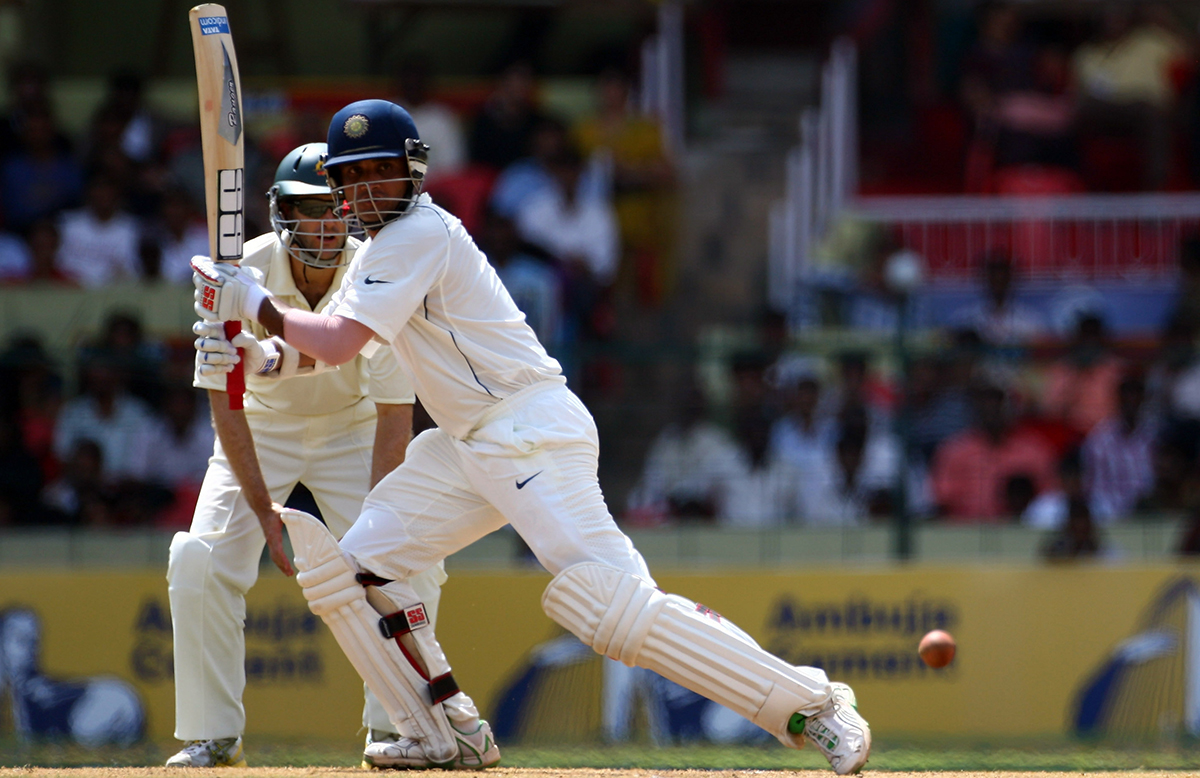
{"x":224,"y":292}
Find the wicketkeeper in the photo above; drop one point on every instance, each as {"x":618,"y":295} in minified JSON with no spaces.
{"x":336,"y":430}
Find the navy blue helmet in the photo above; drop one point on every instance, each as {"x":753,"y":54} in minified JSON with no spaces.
{"x":375,"y":129}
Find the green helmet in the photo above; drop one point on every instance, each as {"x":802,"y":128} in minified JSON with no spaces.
{"x":301,"y":174}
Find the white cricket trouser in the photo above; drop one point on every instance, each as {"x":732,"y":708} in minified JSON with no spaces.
{"x":213,"y":566}
{"x":530,"y":462}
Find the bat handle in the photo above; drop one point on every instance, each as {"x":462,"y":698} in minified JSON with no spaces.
{"x":235,"y":380}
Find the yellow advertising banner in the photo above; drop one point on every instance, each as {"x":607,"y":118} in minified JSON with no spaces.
{"x":1042,"y":650}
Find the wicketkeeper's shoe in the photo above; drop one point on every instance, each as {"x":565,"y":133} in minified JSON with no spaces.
{"x":476,"y":750}
{"x":838,"y":732}
{"x":223,"y":752}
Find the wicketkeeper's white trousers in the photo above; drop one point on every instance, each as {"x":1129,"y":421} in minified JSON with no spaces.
{"x":530,"y":462}
{"x":214,"y":564}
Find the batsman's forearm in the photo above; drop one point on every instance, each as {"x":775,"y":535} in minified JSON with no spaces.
{"x":332,"y":339}
{"x":238,"y":445}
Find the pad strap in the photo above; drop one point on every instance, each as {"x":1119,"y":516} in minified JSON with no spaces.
{"x":443,"y":688}
{"x":404,"y":621}
{"x":333,"y":593}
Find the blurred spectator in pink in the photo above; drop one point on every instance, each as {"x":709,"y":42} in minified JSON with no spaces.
{"x":106,"y":413}
{"x":437,"y":122}
{"x":99,"y":242}
{"x":1118,"y":455}
{"x":170,"y":242}
{"x":631,"y":145}
{"x":999,"y":319}
{"x":1081,"y":387}
{"x":504,"y":126}
{"x":1125,"y":81}
{"x":971,"y":470}
{"x":41,"y":178}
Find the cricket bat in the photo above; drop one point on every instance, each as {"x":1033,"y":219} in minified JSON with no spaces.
{"x":224,"y":141}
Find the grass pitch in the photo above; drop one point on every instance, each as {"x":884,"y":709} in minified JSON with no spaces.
{"x":964,"y":760}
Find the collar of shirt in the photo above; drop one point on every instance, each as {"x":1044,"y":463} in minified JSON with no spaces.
{"x":281,"y":284}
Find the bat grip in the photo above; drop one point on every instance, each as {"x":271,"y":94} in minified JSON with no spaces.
{"x":235,"y":380}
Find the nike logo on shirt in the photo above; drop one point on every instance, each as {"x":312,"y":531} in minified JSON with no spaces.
{"x":521,"y":484}
{"x":369,"y":280}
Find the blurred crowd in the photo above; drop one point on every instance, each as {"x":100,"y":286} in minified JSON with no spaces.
{"x":1034,"y":101}
{"x":570,"y":211}
{"x":1000,"y":420}
{"x":1030,"y":98}
{"x":129,"y":448}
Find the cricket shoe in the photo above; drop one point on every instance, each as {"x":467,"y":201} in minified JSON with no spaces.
{"x":223,"y":752}
{"x":838,"y":732}
{"x":477,"y":750}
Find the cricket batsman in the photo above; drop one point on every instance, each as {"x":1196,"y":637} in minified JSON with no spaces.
{"x":514,"y":445}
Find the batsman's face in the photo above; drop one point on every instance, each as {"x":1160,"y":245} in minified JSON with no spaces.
{"x":376,"y":189}
{"x":316,"y":229}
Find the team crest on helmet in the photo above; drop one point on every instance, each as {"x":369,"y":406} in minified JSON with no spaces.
{"x":320,"y":168}
{"x":356,"y":126}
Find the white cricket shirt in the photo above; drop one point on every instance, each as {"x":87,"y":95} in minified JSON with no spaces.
{"x":422,"y":286}
{"x":378,"y":378}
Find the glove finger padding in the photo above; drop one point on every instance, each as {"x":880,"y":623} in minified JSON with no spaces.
{"x":209,"y":329}
{"x":210,"y":351}
{"x":223,"y":292}
{"x":214,"y":354}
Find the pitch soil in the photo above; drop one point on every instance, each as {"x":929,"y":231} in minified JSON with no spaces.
{"x":550,"y":772}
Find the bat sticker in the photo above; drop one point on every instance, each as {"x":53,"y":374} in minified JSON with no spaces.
{"x":231,"y":108}
{"x":230,"y":206}
{"x":213,"y":25}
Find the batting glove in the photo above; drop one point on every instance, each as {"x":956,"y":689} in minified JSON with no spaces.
{"x":216,"y":355}
{"x":224,"y":292}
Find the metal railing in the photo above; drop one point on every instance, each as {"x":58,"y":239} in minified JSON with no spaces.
{"x":662,"y":87}
{"x":821,"y":174}
{"x":1050,"y":237}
